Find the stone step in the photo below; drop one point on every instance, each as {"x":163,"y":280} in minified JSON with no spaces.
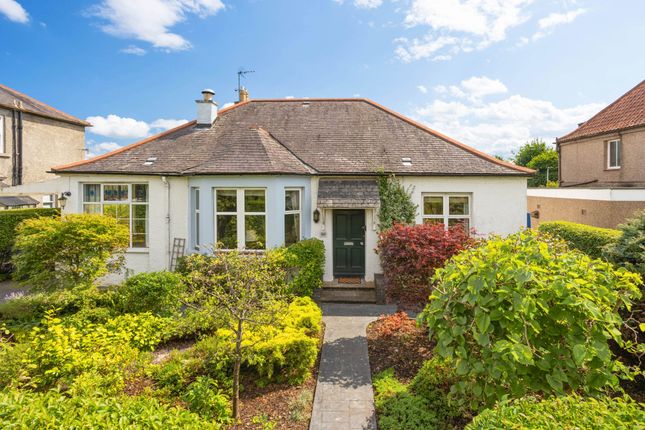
{"x":345,"y":295}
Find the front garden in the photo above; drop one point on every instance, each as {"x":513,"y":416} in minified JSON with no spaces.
{"x":228,"y":341}
{"x":537,"y":330}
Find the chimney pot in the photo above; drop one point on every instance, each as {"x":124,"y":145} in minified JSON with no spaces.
{"x":244,"y":95}
{"x":206,"y":108}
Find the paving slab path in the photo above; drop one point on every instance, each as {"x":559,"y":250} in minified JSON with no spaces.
{"x":344,"y":399}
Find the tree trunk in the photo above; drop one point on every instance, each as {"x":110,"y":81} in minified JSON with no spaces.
{"x":236,"y":371}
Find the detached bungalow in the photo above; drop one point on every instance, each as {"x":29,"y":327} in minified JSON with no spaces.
{"x":265,"y":173}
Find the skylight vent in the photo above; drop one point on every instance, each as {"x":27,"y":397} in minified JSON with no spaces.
{"x":407,"y":161}
{"x":150,"y":161}
{"x":306,"y":103}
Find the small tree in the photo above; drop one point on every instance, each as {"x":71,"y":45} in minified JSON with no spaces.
{"x":68,"y":252}
{"x":246,"y":290}
{"x":396,"y":203}
{"x":546,"y":167}
{"x":529,"y":151}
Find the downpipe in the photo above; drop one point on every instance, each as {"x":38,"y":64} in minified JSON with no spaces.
{"x":166,"y":183}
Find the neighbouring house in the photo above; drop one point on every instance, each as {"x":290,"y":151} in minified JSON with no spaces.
{"x":33,"y":137}
{"x":601,"y":174}
{"x":265,"y":173}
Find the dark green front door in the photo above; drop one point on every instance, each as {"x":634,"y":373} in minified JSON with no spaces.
{"x":349,"y":242}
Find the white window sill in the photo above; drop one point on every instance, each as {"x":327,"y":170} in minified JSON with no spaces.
{"x":4,"y":155}
{"x":137,"y":250}
{"x":614,"y":168}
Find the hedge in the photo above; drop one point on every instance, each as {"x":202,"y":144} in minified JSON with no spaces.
{"x":307,"y":258}
{"x":9,"y":220}
{"x":570,"y":412}
{"x":582,"y":237}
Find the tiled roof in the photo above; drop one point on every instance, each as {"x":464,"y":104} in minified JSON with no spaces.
{"x":352,"y":193}
{"x":626,"y":112}
{"x":324,"y":136}
{"x":12,"y":201}
{"x":12,"y":99}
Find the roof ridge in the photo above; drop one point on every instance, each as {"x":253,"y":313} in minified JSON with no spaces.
{"x":72,"y":118}
{"x":628,"y":92}
{"x":124,"y":148}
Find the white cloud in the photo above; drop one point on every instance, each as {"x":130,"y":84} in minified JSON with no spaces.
{"x":97,"y":148}
{"x":499,"y":126}
{"x":167,"y":124}
{"x":478,"y":87}
{"x":465,"y":25}
{"x":556,"y":19}
{"x":422,"y":89}
{"x":129,"y":128}
{"x":151,"y":20}
{"x":134,"y":50}
{"x":368,"y":4}
{"x":14,"y":11}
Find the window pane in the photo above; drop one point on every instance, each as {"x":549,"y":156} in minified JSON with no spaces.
{"x":226,"y":201}
{"x":115,"y":193}
{"x":197,"y":198}
{"x":254,"y":200}
{"x":197,"y":241}
{"x":433,"y":205}
{"x":139,"y":226}
{"x":119,"y":211}
{"x":292,"y":200}
{"x":618,"y":153}
{"x":255,"y":236}
{"x":458,"y":205}
{"x":464,"y":222}
{"x":139,"y":241}
{"x":433,"y":220}
{"x":139,"y":211}
{"x":291,"y":229}
{"x":227,"y":231}
{"x":140,"y":192}
{"x":92,"y":209}
{"x":91,"y":192}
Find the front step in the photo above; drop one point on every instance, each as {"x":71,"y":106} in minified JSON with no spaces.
{"x":345,"y":295}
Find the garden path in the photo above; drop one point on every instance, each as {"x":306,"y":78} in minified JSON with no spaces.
{"x":10,"y":289}
{"x":344,"y":399}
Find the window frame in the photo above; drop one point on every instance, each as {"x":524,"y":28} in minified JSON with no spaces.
{"x":445,"y":217}
{"x":293,"y":212}
{"x":130,"y":202}
{"x":619,"y":154}
{"x":195,"y":218}
{"x":240,"y":214}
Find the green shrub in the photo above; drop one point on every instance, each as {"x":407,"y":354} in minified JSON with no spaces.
{"x":524,"y":315}
{"x":68,"y":252}
{"x":205,"y":398}
{"x":628,"y":250}
{"x":156,"y":292}
{"x":55,"y":354}
{"x":307,"y":261}
{"x":570,"y":412}
{"x":52,"y":410}
{"x":398,"y":409}
{"x":585,"y":238}
{"x":396,"y":205}
{"x":32,"y":307}
{"x":9,"y":221}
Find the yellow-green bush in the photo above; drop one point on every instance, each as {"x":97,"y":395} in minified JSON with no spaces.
{"x":305,"y":263}
{"x":53,"y":410}
{"x":585,"y":238}
{"x":570,"y":412}
{"x":156,"y":292}
{"x":9,"y":221}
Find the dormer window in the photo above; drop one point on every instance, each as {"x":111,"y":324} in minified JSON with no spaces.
{"x":614,"y":154}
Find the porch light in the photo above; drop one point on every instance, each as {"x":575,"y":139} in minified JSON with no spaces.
{"x":62,"y":200}
{"x":316,"y":215}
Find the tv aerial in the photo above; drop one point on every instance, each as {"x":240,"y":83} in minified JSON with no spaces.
{"x":242,"y":74}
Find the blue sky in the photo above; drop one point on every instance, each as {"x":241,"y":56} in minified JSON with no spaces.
{"x":491,"y":73}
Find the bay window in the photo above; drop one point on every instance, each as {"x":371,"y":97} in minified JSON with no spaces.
{"x":292,"y":216}
{"x":240,"y":218}
{"x":447,"y":209}
{"x":127,"y":203}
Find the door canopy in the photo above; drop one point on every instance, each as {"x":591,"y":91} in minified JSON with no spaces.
{"x":348,"y":193}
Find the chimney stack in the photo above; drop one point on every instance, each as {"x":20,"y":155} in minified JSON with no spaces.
{"x":244,"y":95}
{"x":206,"y":108}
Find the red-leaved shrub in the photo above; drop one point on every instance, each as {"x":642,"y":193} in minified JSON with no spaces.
{"x":396,"y":324}
{"x":411,"y":253}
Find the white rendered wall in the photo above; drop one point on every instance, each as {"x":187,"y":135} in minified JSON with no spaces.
{"x":498,"y":202}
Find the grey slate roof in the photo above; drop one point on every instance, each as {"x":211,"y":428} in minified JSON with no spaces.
{"x":12,"y":99}
{"x":12,"y":201}
{"x":310,"y":136}
{"x":349,"y":193}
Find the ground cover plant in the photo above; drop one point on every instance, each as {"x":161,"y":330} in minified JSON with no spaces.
{"x":410,"y":254}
